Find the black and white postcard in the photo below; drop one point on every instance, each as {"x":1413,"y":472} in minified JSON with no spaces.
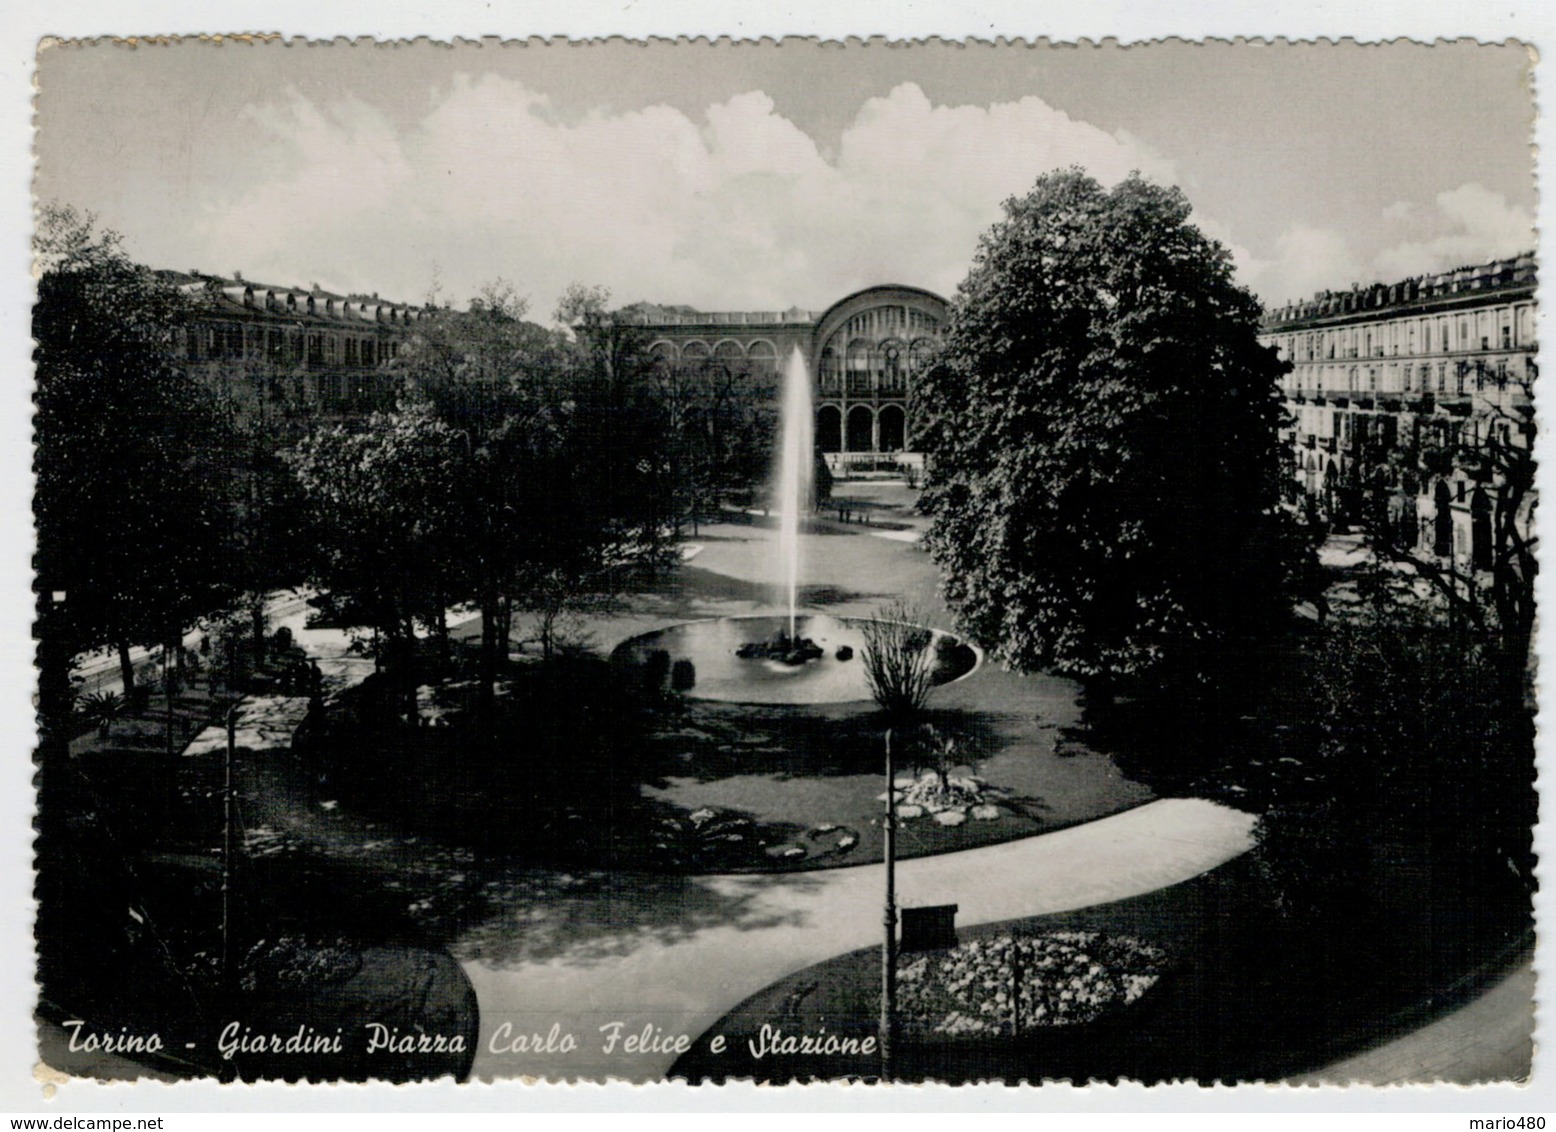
{"x":784,"y":561}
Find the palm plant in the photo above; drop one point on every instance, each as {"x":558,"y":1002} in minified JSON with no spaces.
{"x":102,"y":708}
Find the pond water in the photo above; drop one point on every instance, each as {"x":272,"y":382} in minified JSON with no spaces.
{"x":836,"y":676}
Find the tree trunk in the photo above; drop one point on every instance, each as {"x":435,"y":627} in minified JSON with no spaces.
{"x":126,"y":668}
{"x":504,"y":626}
{"x":409,"y":677}
{"x":173,"y":663}
{"x":445,"y":649}
{"x":490,"y":627}
{"x":257,"y":615}
{"x":547,"y":632}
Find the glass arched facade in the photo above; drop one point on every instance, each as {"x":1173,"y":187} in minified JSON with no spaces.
{"x":869,"y":351}
{"x":865,"y":352}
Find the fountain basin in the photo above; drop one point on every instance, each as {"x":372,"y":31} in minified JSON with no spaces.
{"x":720,"y":674}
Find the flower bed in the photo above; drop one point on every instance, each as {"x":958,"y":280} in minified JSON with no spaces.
{"x":948,"y":802}
{"x":1066,"y":978}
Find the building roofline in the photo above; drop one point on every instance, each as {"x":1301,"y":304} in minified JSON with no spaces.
{"x":1470,"y":285}
{"x":925,"y":293}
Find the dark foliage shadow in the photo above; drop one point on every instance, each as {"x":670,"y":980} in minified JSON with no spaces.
{"x":581,"y":919}
{"x":554,"y":777}
{"x":708,"y":741}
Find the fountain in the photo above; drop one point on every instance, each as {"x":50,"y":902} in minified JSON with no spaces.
{"x":795,"y":456}
{"x":792,"y":658}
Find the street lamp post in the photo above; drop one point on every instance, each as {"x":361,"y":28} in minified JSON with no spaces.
{"x":54,"y":695}
{"x":228,"y":982}
{"x":889,"y":921}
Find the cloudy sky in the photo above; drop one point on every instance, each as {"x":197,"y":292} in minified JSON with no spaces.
{"x":767,"y":176}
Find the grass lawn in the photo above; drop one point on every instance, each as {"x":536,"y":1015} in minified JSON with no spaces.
{"x":701,"y":786}
{"x":1247,"y":994}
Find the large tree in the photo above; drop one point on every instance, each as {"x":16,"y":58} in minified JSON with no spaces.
{"x":715,"y":433}
{"x":620,"y":440}
{"x":487,"y":376}
{"x":1101,"y":428}
{"x":132,"y":500}
{"x":550,"y":492}
{"x":384,"y":503}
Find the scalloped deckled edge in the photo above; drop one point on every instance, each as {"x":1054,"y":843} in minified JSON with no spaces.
{"x":49,"y":1078}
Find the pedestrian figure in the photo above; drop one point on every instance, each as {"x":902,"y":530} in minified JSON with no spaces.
{"x":315,"y":687}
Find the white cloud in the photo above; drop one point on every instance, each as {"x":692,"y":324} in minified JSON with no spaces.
{"x":1307,"y":259}
{"x":1244,"y":263}
{"x":1403,"y":212}
{"x":1481,"y":225}
{"x":738,"y":211}
{"x":1469,"y":224}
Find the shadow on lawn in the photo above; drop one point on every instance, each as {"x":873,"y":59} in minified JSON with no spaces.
{"x":691,"y":584}
{"x":582,"y":919}
{"x":707,"y":741}
{"x":555,"y":776}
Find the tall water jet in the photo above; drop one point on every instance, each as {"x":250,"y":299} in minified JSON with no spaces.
{"x":794,"y":474}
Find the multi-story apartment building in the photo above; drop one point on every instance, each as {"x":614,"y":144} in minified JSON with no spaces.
{"x":292,"y":357}
{"x":1405,"y":397}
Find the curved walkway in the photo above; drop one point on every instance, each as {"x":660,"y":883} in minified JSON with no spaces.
{"x":777,"y":924}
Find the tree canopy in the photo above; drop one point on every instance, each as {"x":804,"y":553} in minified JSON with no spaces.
{"x":1101,"y":428}
{"x":515,"y":474}
{"x":132,"y":498}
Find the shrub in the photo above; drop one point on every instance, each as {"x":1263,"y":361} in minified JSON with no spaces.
{"x":940,"y":752}
{"x":897,"y":660}
{"x":656,"y":670}
{"x":683,"y":676}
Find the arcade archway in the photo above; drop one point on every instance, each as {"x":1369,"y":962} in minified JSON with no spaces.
{"x":861,"y":429}
{"x":829,"y":428}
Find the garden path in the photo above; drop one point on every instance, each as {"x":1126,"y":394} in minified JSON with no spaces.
{"x":777,"y":924}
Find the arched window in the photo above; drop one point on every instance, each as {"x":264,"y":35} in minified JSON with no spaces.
{"x":858,"y":369}
{"x":831,"y":372}
{"x":894,"y":367}
{"x":730,"y":355}
{"x":922,"y":355}
{"x":762,"y":358}
{"x":1480,"y":530}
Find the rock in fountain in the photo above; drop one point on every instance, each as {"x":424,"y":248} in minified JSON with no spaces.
{"x":783,"y":648}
